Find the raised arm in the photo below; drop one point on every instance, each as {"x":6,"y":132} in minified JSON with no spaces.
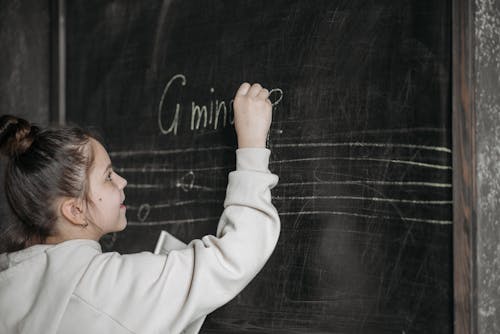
{"x":150,"y":293}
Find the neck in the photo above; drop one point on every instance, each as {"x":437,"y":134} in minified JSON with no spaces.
{"x":72,"y":232}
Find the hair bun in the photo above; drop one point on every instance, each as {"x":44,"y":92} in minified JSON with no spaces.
{"x":16,"y":135}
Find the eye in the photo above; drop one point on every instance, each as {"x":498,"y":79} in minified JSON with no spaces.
{"x":108,"y":177}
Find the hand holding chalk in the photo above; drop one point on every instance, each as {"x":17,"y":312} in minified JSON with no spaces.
{"x":252,"y":115}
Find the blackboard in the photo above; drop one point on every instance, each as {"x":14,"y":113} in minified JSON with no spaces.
{"x":360,"y":139}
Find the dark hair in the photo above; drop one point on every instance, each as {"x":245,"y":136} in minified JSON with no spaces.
{"x":43,"y":165}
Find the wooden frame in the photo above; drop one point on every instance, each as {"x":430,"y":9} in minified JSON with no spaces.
{"x":464,"y":167}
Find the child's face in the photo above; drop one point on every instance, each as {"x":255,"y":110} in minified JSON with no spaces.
{"x":106,"y":192}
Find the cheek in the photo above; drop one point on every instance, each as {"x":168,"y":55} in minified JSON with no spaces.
{"x":107,"y":196}
{"x":106,"y":199}
{"x":106,"y":203}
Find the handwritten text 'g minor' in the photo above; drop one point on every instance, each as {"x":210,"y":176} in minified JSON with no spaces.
{"x":218,"y":114}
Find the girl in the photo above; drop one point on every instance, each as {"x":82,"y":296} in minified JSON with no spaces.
{"x":65,"y":195}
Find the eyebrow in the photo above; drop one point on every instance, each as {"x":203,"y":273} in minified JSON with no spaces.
{"x":108,"y":167}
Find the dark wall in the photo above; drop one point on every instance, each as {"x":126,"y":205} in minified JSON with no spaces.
{"x":487,"y":105}
{"x":24,"y":67}
{"x":25,"y":63}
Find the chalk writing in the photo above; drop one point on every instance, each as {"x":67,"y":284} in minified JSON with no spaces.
{"x":143,"y":212}
{"x":216,"y":115}
{"x":186,"y":182}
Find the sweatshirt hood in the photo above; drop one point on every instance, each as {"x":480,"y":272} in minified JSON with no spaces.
{"x":10,"y":260}
{"x":36,"y":284}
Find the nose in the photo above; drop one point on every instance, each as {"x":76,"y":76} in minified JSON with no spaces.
{"x":122,"y":183}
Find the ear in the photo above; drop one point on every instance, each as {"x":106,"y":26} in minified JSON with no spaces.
{"x":72,"y":211}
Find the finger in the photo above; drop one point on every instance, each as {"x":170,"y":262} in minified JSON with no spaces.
{"x":264,"y":94}
{"x":254,"y":90}
{"x":243,"y":90}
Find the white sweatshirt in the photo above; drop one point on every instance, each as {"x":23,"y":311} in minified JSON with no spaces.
{"x":73,"y":287}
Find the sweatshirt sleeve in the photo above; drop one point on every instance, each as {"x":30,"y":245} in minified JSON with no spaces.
{"x":149,"y":293}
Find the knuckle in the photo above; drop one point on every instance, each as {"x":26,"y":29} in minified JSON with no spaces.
{"x":239,"y":99}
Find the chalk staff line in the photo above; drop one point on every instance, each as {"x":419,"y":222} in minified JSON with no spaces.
{"x":363,"y":144}
{"x":360,"y":198}
{"x":294,"y":145}
{"x":412,"y":219}
{"x":286,"y":198}
{"x":153,"y":169}
{"x":172,"y":221}
{"x":181,"y":203}
{"x":307,"y":183}
{"x":297,"y":213}
{"x":362,"y":182}
{"x":405,"y":162}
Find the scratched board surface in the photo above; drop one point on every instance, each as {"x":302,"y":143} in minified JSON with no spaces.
{"x":360,"y":141}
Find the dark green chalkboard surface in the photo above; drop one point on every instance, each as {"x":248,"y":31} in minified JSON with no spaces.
{"x":360,"y":141}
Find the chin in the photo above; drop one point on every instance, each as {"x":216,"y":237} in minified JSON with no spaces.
{"x":122,"y":226}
